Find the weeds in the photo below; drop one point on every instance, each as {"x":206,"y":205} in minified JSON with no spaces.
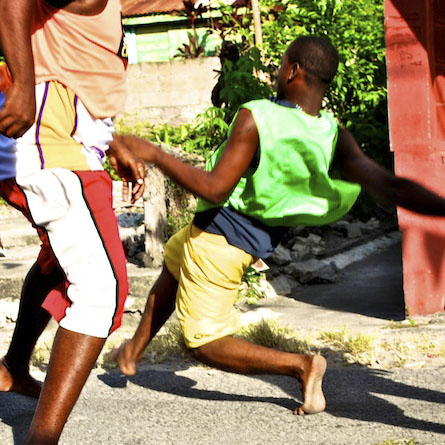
{"x":365,"y":348}
{"x":250,"y":290}
{"x":408,"y":323}
{"x":399,"y":442}
{"x":271,"y":335}
{"x":167,"y":344}
{"x":356,"y":348}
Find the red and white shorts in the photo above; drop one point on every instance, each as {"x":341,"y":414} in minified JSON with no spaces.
{"x":72,"y":212}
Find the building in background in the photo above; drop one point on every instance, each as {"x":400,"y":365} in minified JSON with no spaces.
{"x":157,"y":30}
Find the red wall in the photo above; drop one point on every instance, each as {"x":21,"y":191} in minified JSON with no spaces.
{"x":415,"y":43}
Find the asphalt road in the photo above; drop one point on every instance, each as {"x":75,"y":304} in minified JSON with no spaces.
{"x":178,"y":404}
{"x":181,"y":403}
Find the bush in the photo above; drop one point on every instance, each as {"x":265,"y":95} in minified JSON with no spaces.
{"x":357,"y":95}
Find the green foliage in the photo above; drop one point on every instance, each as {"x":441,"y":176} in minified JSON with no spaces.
{"x":250,"y":290}
{"x":179,"y":208}
{"x":241,"y":81}
{"x":111,"y":171}
{"x":200,"y":137}
{"x":357,"y":96}
{"x":195,"y":46}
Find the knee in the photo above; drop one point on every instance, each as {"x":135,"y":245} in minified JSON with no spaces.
{"x":199,"y":353}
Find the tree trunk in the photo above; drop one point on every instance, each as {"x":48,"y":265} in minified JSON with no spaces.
{"x":155,"y":217}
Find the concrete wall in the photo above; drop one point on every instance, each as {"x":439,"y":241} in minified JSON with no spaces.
{"x":171,"y":92}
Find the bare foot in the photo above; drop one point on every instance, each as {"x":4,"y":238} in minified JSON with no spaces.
{"x":124,"y":357}
{"x":21,"y":383}
{"x":310,"y":384}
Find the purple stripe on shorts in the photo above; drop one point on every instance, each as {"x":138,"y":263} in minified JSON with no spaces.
{"x":101,"y":153}
{"x":45,"y":94}
{"x":75,"y":117}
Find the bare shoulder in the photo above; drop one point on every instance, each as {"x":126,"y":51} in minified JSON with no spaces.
{"x":82,"y":7}
{"x":244,"y":123}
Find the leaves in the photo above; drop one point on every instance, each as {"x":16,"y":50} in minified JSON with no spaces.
{"x":357,"y":96}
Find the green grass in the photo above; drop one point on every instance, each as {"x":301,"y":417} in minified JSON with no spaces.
{"x":399,"y":442}
{"x":271,"y":335}
{"x":340,"y":346}
{"x":406,"y":324}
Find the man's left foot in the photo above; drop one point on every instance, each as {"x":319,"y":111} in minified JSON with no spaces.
{"x":311,"y":387}
{"x":19,"y":382}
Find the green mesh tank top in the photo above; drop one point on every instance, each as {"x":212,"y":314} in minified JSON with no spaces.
{"x":291,"y":185}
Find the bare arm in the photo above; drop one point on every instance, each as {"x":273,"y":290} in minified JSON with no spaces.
{"x":18,"y":112}
{"x":214,"y":186}
{"x":357,"y":167}
{"x":131,"y":169}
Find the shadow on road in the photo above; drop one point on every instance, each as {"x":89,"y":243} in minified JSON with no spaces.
{"x":170,"y":382}
{"x":351,"y":393}
{"x":17,"y":411}
{"x":371,"y":287}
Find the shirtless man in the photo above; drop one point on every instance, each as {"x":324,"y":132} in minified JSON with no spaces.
{"x":67,"y":64}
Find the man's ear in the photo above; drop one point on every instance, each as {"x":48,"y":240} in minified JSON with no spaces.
{"x":293,"y":72}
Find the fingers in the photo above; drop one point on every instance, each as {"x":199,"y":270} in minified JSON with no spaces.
{"x":11,"y":127}
{"x":139,"y":187}
{"x":138,"y":190}
{"x":125,"y":190}
{"x":18,"y":112}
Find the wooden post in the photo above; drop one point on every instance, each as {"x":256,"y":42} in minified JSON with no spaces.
{"x":257,"y":24}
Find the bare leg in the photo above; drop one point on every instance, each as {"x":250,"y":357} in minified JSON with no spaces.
{"x":72,"y":358}
{"x":242,"y":357}
{"x":160,"y":305}
{"x":31,"y":321}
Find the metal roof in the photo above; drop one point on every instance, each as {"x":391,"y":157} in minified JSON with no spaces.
{"x":131,"y":8}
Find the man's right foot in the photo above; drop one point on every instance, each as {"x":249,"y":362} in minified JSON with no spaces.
{"x":19,"y":382}
{"x":124,"y":357}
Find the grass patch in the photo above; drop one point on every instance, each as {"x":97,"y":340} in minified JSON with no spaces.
{"x":405,"y":324}
{"x":270,"y":334}
{"x":40,"y":355}
{"x":399,"y":442}
{"x":167,"y":344}
{"x":378,"y":349}
{"x":356,"y":348}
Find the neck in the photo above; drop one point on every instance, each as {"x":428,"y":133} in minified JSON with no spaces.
{"x":309,"y":103}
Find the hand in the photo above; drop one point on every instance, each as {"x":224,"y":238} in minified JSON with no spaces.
{"x":18,"y":112}
{"x":130,"y":168}
{"x":142,"y":149}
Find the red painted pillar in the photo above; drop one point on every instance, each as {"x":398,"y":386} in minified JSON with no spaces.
{"x":415,"y":43}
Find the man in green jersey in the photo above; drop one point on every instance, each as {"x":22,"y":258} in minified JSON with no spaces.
{"x":270,"y":174}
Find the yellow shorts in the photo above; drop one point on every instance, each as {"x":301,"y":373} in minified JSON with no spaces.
{"x":209,"y":272}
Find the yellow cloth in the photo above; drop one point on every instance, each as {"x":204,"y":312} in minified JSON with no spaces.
{"x":209,"y":272}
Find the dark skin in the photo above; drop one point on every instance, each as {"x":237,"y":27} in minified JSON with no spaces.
{"x":73,"y":355}
{"x":234,"y":354}
{"x":17,"y":114}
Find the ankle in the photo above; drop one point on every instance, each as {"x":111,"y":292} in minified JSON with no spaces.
{"x":13,"y":367}
{"x":303,"y":365}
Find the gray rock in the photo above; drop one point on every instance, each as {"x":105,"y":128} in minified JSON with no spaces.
{"x":284,"y":285}
{"x":313,"y":271}
{"x":301,"y":249}
{"x":316,"y":243}
{"x":281,"y":256}
{"x":354,"y":230}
